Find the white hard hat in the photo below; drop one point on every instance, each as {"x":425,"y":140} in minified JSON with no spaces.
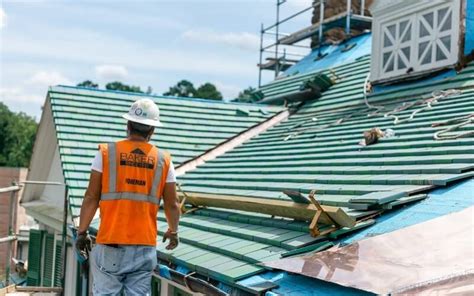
{"x":144,"y":111}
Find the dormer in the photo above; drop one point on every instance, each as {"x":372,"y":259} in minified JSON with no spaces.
{"x":413,"y":37}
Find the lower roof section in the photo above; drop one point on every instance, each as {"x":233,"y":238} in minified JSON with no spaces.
{"x":440,"y":202}
{"x":230,"y":245}
{"x":418,"y":258}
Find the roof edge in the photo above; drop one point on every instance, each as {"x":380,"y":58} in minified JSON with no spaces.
{"x":203,"y":100}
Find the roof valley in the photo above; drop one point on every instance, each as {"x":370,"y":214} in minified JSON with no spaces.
{"x":232,"y":142}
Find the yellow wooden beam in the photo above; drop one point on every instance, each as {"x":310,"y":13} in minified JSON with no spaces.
{"x":288,"y":209}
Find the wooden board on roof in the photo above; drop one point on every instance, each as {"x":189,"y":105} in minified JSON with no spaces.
{"x":279,"y":208}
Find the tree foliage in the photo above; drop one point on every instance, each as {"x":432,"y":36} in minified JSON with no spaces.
{"x":88,"y":84}
{"x":17,"y":136}
{"x":186,"y":89}
{"x":117,"y":85}
{"x":208,"y":91}
{"x":183,"y":88}
{"x":246,"y":96}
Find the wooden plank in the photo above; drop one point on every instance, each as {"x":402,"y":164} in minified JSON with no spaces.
{"x":279,"y":208}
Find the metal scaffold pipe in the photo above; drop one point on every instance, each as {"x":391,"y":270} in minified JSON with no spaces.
{"x":289,"y":17}
{"x":260,"y":58}
{"x":321,"y":19}
{"x":348,"y":17}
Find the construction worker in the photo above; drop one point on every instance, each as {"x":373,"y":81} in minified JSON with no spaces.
{"x":127,"y":181}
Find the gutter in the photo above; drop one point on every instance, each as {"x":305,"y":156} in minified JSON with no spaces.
{"x":233,"y":142}
{"x":194,"y":284}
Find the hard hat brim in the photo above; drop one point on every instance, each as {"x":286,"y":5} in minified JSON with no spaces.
{"x":144,"y":121}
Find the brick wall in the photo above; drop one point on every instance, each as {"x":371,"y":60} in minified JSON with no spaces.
{"x":7,"y":175}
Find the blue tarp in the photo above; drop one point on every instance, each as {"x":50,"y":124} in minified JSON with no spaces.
{"x":335,"y":55}
{"x":469,"y":35}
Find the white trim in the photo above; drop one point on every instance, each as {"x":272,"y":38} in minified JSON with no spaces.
{"x":391,"y":16}
{"x":44,"y":152}
{"x":45,"y":213}
{"x":401,"y":7}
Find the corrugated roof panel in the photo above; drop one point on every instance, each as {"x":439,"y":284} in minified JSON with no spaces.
{"x":318,"y":146}
{"x":85,"y":118}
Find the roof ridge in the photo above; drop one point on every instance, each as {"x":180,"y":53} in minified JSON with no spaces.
{"x":204,"y":100}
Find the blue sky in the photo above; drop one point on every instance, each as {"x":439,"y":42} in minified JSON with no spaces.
{"x":145,"y":43}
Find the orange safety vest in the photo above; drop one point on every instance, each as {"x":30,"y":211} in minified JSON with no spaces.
{"x":133,"y":178}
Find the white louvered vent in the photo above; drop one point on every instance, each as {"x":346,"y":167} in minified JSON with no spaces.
{"x":411,"y":37}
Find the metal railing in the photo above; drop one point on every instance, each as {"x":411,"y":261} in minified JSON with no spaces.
{"x":11,"y":236}
{"x":274,"y":30}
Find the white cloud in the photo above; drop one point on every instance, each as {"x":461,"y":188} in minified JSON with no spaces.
{"x":29,"y":95}
{"x":3,"y":18}
{"x":18,"y":94}
{"x":74,"y":46}
{"x":111,"y":72}
{"x":242,"y":40}
{"x":44,"y":78}
{"x":300,"y":4}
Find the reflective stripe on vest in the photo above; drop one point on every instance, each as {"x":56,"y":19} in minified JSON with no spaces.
{"x":158,"y":173}
{"x":113,"y":195}
{"x":130,"y":196}
{"x":112,"y":166}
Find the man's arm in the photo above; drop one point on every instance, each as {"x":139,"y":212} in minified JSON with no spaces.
{"x":171,"y":206}
{"x":172,"y":212}
{"x":91,"y":201}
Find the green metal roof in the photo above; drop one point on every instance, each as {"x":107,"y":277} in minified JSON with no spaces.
{"x":228,"y":245}
{"x":302,"y":153}
{"x":86,"y":117}
{"x":387,"y":174}
{"x":311,"y":151}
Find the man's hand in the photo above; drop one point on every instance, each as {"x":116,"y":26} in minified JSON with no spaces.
{"x":173,"y":237}
{"x":83,"y":244}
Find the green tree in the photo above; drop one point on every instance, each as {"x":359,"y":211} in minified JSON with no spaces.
{"x":116,"y":85}
{"x":246,"y":96}
{"x":88,"y":84}
{"x":208,"y":91}
{"x":17,"y":136}
{"x":183,"y":88}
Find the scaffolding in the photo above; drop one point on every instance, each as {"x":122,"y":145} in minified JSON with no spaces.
{"x":280,"y":60}
{"x":12,"y":236}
